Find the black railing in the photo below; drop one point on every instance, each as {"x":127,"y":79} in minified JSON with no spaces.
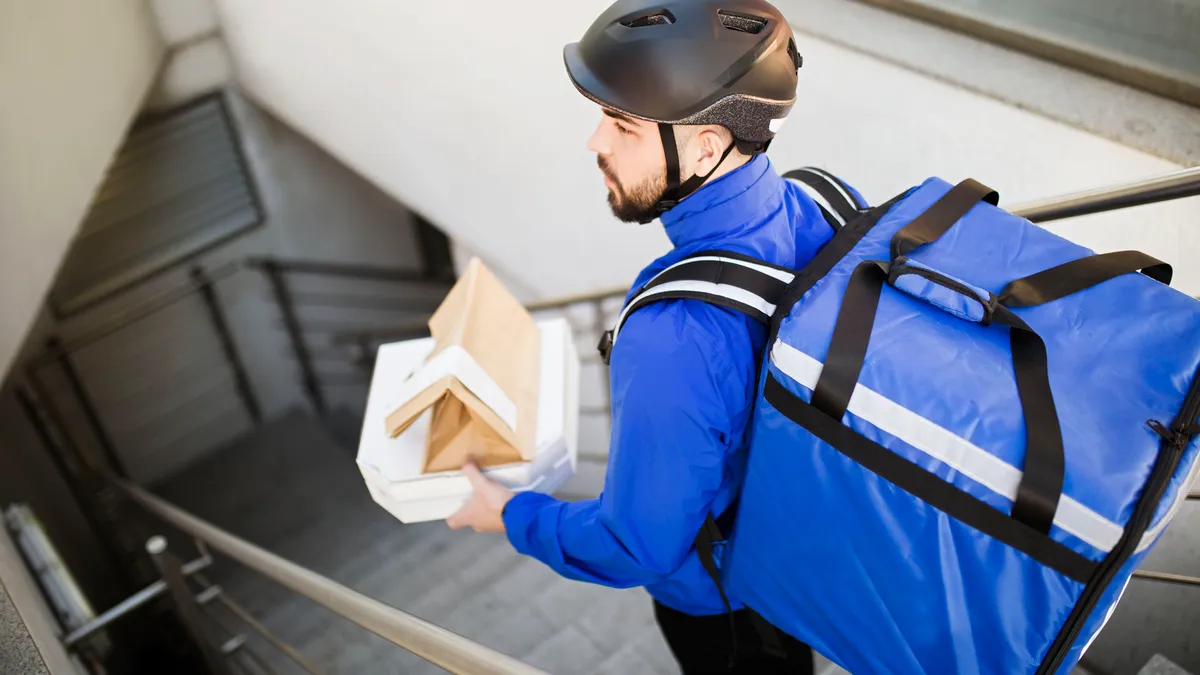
{"x":216,"y":316}
{"x":90,"y":477}
{"x":291,"y":322}
{"x":88,"y":448}
{"x":203,"y":283}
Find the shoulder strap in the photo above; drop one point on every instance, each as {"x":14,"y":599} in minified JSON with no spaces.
{"x":834,"y":197}
{"x":731,"y":280}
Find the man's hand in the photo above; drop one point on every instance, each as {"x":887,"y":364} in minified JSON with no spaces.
{"x":484,"y":509}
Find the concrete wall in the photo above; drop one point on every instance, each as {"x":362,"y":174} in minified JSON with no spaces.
{"x":30,"y":637}
{"x":161,"y":385}
{"x":197,"y":61}
{"x":72,"y":76}
{"x":18,"y":651}
{"x":465,"y":113}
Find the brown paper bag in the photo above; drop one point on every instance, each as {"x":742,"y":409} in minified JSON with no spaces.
{"x":480,"y":316}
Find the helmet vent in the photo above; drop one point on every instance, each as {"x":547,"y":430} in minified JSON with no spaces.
{"x":658,"y":18}
{"x":796,"y":58}
{"x":744,"y":23}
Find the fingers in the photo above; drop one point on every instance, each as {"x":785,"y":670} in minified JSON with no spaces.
{"x":462,"y":517}
{"x":457,"y":522}
{"x":475,"y":476}
{"x":471,"y":512}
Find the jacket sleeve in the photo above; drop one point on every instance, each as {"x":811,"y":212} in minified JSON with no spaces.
{"x":674,"y":395}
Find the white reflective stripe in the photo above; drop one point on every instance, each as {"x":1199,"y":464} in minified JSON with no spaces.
{"x":837,"y":184}
{"x":818,"y":198}
{"x":1152,"y":533}
{"x":782,"y":275}
{"x":1107,"y":615}
{"x":724,"y":290}
{"x":943,"y":445}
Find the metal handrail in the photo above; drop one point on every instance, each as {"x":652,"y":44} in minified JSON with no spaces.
{"x":413,"y":328}
{"x":433,"y":643}
{"x":1181,"y":579}
{"x":579,"y":299}
{"x":259,"y":627}
{"x":330,"y":269}
{"x":183,"y":289}
{"x":1174,"y":185}
{"x":445,"y":648}
{"x":129,"y":604}
{"x":142,"y":310}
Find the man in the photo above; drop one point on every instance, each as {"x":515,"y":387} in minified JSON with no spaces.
{"x":692,"y":92}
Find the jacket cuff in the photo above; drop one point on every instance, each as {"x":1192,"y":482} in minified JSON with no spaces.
{"x":519,"y":515}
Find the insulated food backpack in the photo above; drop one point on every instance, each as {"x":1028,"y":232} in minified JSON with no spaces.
{"x":969,"y":432}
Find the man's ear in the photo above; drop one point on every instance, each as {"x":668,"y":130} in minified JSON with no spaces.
{"x":711,"y":142}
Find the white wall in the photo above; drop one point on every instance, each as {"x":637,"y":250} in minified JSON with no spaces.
{"x":316,"y":210}
{"x":72,"y":77}
{"x":463,"y":110}
{"x":189,"y":71}
{"x":197,"y":61}
{"x":465,"y":113}
{"x":162,"y":386}
{"x":441,"y":108}
{"x":181,"y":21}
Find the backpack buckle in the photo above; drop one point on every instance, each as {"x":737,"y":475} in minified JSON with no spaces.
{"x":605,"y":346}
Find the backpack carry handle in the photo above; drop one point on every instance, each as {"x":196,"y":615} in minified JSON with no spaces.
{"x":1040,"y":488}
{"x":943,"y":291}
{"x":1042,"y":479}
{"x":1041,"y":484}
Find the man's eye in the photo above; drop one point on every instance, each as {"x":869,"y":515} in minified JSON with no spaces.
{"x":622,"y":129}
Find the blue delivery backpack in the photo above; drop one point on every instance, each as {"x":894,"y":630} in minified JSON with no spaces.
{"x":969,"y":433}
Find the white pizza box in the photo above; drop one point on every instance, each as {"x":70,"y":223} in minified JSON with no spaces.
{"x":391,"y":467}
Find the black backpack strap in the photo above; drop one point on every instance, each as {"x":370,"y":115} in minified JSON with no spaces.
{"x":737,"y":282}
{"x":836,"y":199}
{"x":721,"y":278}
{"x":1077,"y":275}
{"x":710,"y":533}
{"x":717,"y":530}
{"x":936,"y":220}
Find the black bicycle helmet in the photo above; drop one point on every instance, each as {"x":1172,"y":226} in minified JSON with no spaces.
{"x":727,"y":62}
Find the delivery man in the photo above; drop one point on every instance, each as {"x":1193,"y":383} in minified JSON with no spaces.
{"x":692,"y":92}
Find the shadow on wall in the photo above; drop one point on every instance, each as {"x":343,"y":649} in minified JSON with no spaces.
{"x":163,"y":390}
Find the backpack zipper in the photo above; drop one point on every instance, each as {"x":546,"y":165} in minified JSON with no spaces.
{"x":1171,"y":451}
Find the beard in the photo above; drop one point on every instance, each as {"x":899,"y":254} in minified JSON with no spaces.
{"x":636,"y":203}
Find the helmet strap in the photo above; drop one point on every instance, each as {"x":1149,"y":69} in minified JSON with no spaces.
{"x":676,"y":191}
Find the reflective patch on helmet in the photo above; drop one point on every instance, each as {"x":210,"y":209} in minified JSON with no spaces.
{"x":776,"y":125}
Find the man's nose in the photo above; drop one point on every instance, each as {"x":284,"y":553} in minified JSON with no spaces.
{"x":598,"y":143}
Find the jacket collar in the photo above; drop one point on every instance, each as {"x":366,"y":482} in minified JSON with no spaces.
{"x":723,"y":206}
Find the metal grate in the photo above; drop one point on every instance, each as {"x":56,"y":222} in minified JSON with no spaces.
{"x":178,"y":186}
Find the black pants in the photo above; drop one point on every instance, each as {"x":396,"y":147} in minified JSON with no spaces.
{"x":704,"y":644}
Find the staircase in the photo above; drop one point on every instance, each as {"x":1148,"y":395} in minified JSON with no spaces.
{"x":294,"y":490}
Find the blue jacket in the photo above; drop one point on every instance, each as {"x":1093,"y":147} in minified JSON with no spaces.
{"x":683,"y":378}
